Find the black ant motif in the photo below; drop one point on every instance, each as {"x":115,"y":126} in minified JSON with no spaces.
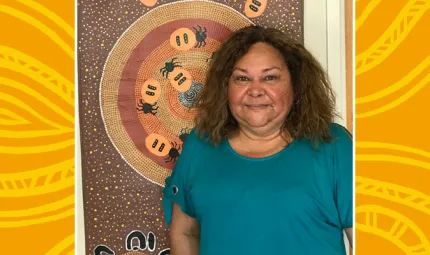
{"x":200,"y":36}
{"x":143,"y":243}
{"x":184,"y":134}
{"x":169,"y":67}
{"x":147,"y":108}
{"x":173,"y":153}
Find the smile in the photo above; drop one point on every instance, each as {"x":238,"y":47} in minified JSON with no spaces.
{"x":257,"y":106}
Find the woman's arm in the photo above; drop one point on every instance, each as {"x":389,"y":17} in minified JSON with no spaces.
{"x":184,"y":233}
{"x":349,"y":234}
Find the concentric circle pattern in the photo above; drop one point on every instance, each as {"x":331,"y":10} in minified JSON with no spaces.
{"x":188,"y":98}
{"x":152,"y":77}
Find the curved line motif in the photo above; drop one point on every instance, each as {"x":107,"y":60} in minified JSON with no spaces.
{"x":397,"y":86}
{"x":13,"y":118}
{"x":22,"y":223}
{"x":62,"y":246}
{"x":33,"y":133}
{"x":17,"y":61}
{"x":366,"y":12}
{"x":392,"y":192}
{"x":391,"y":146}
{"x":36,"y":95}
{"x":55,"y":206}
{"x":393,"y":159}
{"x":40,"y":26}
{"x":49,"y":14}
{"x":20,"y":104}
{"x":392,"y":37}
{"x":37,"y":149}
{"x":398,"y":101}
{"x":399,"y":226}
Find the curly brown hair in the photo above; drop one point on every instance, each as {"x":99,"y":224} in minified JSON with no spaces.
{"x":314,"y":100}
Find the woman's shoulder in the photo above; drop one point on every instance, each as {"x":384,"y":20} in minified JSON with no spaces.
{"x":195,"y":143}
{"x":341,"y":138}
{"x":194,"y":150}
{"x":338,"y":131}
{"x":194,"y":138}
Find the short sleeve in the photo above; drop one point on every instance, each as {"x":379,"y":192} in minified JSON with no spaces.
{"x":177,"y":186}
{"x":343,"y":174}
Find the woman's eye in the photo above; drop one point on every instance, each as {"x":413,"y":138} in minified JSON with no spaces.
{"x":271,"y":78}
{"x":242,"y":78}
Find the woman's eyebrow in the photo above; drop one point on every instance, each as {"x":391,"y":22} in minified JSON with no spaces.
{"x":240,"y":69}
{"x":271,"y":68}
{"x":264,"y":70}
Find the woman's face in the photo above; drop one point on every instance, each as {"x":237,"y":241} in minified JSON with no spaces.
{"x":260,"y":90}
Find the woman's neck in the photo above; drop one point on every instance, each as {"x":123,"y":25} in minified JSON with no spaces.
{"x":253,"y":144}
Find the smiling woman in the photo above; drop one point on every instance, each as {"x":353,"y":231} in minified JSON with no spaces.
{"x":260,"y":90}
{"x":265,"y":162}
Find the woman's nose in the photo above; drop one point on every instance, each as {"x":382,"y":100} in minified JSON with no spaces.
{"x":256,"y":89}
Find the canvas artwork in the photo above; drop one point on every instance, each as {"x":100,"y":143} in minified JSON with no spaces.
{"x":141,"y":65}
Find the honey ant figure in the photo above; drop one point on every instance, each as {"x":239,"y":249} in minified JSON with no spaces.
{"x":143,"y":243}
{"x":169,"y":67}
{"x":200,"y":36}
{"x":147,"y":108}
{"x":173,"y":153}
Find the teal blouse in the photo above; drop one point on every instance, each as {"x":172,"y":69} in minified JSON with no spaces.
{"x":297,"y":201}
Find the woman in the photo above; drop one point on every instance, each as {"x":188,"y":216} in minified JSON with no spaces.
{"x":265,"y":170}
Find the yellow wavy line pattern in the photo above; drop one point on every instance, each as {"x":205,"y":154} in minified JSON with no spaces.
{"x":37,"y":221}
{"x":40,"y":26}
{"x":37,"y":149}
{"x":69,"y":201}
{"x":366,"y":12}
{"x":65,"y":244}
{"x":392,"y":37}
{"x":397,"y":86}
{"x":392,"y":152}
{"x":37,"y":182}
{"x":20,"y":104}
{"x":50,"y":15}
{"x":37,"y":126}
{"x":392,"y":159}
{"x":395,"y":233}
{"x":36,"y":95}
{"x":424,"y":82}
{"x":13,"y":118}
{"x":400,"y":224}
{"x":15,"y":60}
{"x":395,"y":193}
{"x":391,"y":146}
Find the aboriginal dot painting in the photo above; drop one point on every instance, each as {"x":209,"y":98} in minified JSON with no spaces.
{"x":141,"y":65}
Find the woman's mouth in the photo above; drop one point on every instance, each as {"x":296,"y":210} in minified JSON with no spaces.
{"x":257,"y":106}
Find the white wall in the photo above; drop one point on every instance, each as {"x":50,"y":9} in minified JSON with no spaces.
{"x":324,"y":36}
